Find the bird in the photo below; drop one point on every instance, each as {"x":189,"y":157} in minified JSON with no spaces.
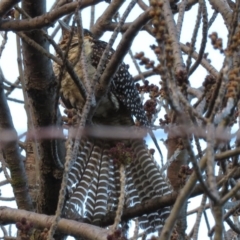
{"x":93,"y":186}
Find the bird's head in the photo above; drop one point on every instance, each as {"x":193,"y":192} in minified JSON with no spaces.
{"x":66,"y":35}
{"x":66,"y":31}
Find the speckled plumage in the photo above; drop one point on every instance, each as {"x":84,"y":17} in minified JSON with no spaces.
{"x":122,"y":85}
{"x":94,"y":182}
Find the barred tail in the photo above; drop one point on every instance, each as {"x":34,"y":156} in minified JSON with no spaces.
{"x":149,"y":183}
{"x":94,"y":184}
{"x":96,"y":203}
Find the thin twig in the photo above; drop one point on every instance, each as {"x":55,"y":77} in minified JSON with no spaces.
{"x":212,"y":19}
{"x":201,"y":209}
{"x":4,"y":42}
{"x":120,"y":199}
{"x":144,"y":75}
{"x":7,"y":199}
{"x":15,"y":100}
{"x":194,"y":38}
{"x":4,"y":182}
{"x":210,"y":161}
{"x":204,"y":36}
{"x":178,"y":63}
{"x":44,"y":20}
{"x":181,"y":8}
{"x":92,"y":17}
{"x":39,"y":48}
{"x":4,"y":168}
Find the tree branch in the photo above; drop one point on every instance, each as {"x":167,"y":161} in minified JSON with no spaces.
{"x":222,"y":7}
{"x":12,"y":155}
{"x":43,"y":20}
{"x":6,"y":5}
{"x":106,"y":18}
{"x":41,"y":88}
{"x":204,"y":62}
{"x":172,"y":29}
{"x":74,"y":228}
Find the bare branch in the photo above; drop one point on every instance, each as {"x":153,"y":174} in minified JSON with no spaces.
{"x":204,"y":36}
{"x":41,"y":89}
{"x":106,"y":18}
{"x":173,"y":33}
{"x":44,"y":20}
{"x":7,"y":199}
{"x":13,"y":156}
{"x":204,"y":61}
{"x":73,"y":228}
{"x":144,"y":74}
{"x":4,"y":41}
{"x":183,"y":195}
{"x":6,"y":5}
{"x":4,"y":182}
{"x":222,"y":7}
{"x":182,"y":6}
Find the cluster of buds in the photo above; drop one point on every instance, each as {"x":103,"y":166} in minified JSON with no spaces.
{"x":169,"y":52}
{"x":152,"y":89}
{"x":180,"y":144}
{"x":175,"y":234}
{"x":151,"y":151}
{"x":144,"y":60}
{"x":234,"y":119}
{"x":160,"y":32}
{"x":234,"y":44}
{"x":117,"y":235}
{"x":209,"y":85}
{"x":122,"y":154}
{"x":150,"y":108}
{"x":158,"y":51}
{"x":184,"y":173}
{"x":182,"y":80}
{"x":144,"y":88}
{"x":158,"y":20}
{"x":163,"y":92}
{"x":209,"y":81}
{"x":205,"y":56}
{"x":164,"y":121}
{"x":44,"y":234}
{"x":216,"y":41}
{"x":233,"y":86}
{"x":25,"y":228}
{"x":72,"y":118}
{"x":151,"y":104}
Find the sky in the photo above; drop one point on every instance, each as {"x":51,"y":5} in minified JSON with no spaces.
{"x":8,"y":63}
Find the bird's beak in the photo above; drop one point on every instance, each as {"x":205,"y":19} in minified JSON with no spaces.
{"x":65,"y":28}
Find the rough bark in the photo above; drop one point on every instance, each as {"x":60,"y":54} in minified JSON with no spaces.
{"x":41,"y":89}
{"x":11,"y":153}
